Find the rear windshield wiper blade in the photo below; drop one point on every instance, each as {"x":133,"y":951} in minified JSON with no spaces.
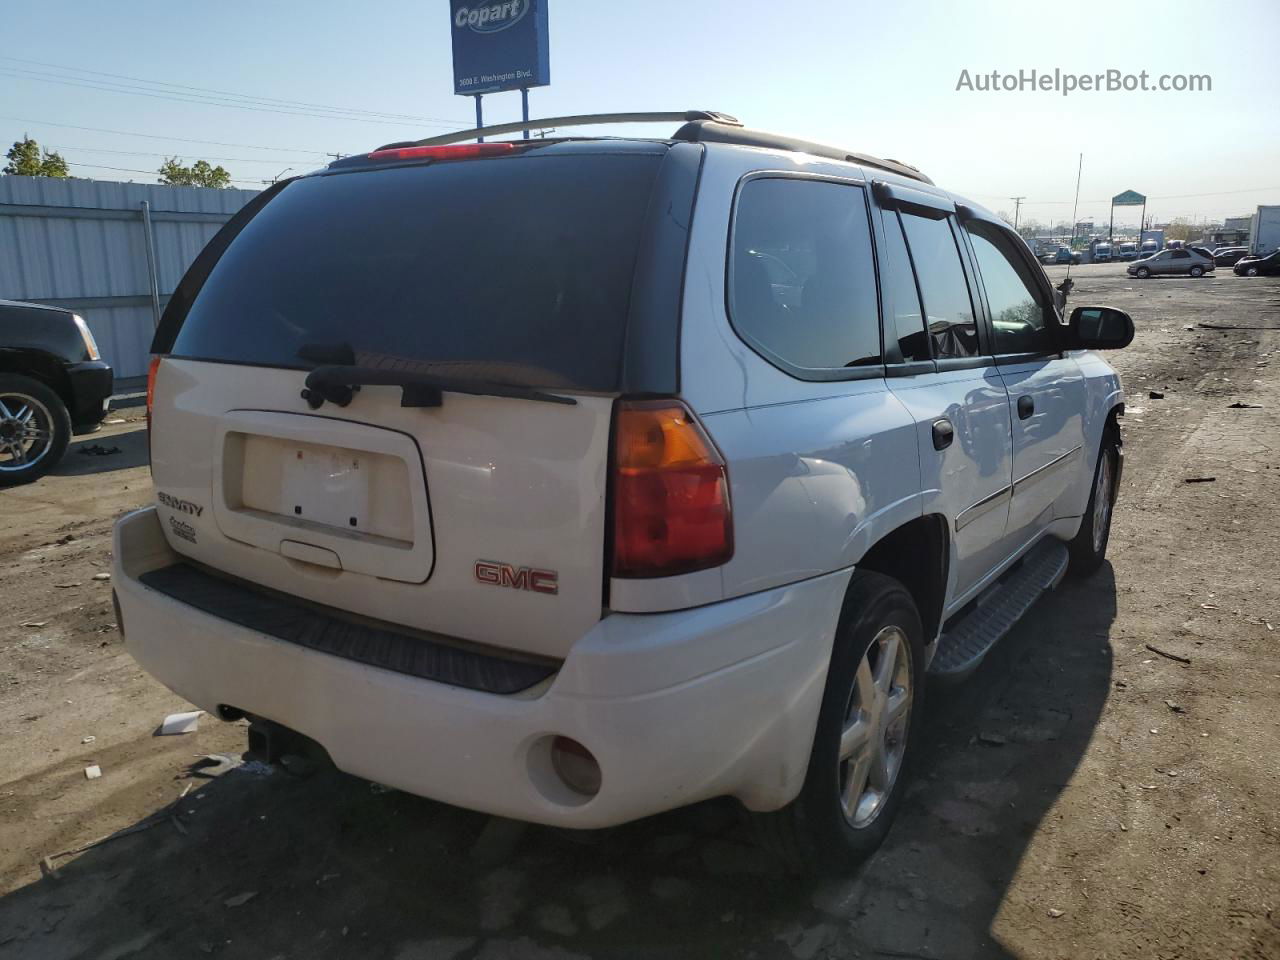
{"x":338,"y":382}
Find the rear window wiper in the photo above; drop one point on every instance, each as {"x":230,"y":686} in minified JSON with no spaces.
{"x":337,"y":383}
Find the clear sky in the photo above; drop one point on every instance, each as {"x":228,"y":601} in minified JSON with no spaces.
{"x":874,"y":77}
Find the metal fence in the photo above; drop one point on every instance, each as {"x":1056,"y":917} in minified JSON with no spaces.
{"x":113,"y":252}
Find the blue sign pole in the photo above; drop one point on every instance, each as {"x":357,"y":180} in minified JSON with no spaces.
{"x":479,"y":117}
{"x":524,"y":108}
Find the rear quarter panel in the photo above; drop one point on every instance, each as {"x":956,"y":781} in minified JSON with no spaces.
{"x":818,"y":471}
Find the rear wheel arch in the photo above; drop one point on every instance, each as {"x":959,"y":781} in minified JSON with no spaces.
{"x":917,"y":555}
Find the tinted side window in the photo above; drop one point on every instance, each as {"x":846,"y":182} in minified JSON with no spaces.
{"x":1018,"y":314}
{"x":948,"y":310}
{"x":902,"y":299}
{"x":802,"y":284}
{"x":1181,"y":255}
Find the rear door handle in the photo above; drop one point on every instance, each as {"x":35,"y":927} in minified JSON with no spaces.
{"x":1026,"y":407}
{"x":943,"y":434}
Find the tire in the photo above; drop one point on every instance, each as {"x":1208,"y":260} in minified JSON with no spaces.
{"x":1251,"y":272}
{"x":813,"y":833}
{"x":1197,"y":271}
{"x":1142,"y":273}
{"x":34,"y":429}
{"x":1089,"y":547}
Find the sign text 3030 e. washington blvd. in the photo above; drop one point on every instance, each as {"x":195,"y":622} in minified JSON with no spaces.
{"x":1064,"y":83}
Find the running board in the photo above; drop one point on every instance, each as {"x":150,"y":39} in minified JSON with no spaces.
{"x":962,"y":647}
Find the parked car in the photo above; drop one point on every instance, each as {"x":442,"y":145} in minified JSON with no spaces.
{"x":1229,"y":256}
{"x":1168,"y":262}
{"x":518,"y":520}
{"x":1061,"y":255}
{"x":53,"y":383}
{"x":1267,"y":266}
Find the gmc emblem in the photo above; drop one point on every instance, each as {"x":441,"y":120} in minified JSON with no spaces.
{"x":518,"y":578}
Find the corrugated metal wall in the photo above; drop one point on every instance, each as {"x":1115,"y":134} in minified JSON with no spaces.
{"x":81,"y":244}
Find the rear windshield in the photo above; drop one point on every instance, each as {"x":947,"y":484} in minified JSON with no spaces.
{"x":515,"y":269}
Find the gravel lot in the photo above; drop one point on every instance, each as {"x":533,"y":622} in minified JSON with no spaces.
{"x":1080,"y":796}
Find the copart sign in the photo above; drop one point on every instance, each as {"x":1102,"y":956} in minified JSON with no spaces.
{"x":499,"y":45}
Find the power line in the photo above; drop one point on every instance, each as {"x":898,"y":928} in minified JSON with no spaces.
{"x":241,"y":96}
{"x":155,"y":136}
{"x":201,"y":99}
{"x":153,"y":173}
{"x":169,"y":153}
{"x":1174,"y":196}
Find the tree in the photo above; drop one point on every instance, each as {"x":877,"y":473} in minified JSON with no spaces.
{"x":28,"y":160}
{"x":1031,"y":227}
{"x":199,"y":174}
{"x":1180,"y":228}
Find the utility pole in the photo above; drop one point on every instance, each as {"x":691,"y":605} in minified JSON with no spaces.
{"x":336,"y":156}
{"x":1017,"y":205}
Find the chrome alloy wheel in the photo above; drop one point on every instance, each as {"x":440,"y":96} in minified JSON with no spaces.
{"x":1102,"y":501}
{"x":874,"y":737}
{"x":26,"y":432}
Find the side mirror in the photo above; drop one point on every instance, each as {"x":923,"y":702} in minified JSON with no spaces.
{"x":1098,"y":328}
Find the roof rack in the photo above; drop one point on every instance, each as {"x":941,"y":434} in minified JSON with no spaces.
{"x":578,"y":120}
{"x":709,"y":130}
{"x":699,"y":126}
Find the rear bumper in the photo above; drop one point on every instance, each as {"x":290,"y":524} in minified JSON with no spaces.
{"x":677,"y":707}
{"x":91,"y":384}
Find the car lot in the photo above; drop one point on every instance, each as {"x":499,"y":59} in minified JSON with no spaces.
{"x":1081,"y":795}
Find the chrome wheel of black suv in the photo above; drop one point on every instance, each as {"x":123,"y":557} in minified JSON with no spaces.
{"x":34,"y":429}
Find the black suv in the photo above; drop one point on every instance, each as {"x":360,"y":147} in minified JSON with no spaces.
{"x":53,"y":383}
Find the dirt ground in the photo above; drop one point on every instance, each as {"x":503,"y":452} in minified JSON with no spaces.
{"x":1081,"y":796}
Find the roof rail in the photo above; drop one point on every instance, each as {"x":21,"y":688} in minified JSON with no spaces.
{"x":578,"y":120}
{"x":711,"y":130}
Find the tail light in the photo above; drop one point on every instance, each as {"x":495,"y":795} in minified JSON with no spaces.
{"x":151,"y":383}
{"x":671,"y":510}
{"x":152,"y":369}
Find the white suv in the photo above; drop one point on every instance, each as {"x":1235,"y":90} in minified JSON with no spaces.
{"x":576,"y":480}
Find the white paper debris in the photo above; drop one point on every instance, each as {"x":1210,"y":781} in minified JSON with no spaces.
{"x":180,"y":723}
{"x":93,"y":772}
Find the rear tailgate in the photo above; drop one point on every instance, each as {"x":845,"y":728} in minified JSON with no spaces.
{"x":433,"y":492}
{"x":482,"y":517}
